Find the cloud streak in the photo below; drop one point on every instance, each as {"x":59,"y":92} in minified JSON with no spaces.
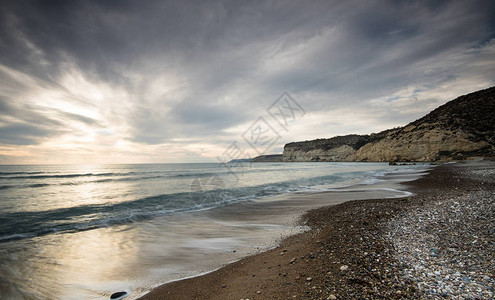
{"x":168,"y":81}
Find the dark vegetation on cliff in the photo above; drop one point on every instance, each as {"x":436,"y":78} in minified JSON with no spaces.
{"x":353,"y":140}
{"x":472,"y":113}
{"x":268,"y":158}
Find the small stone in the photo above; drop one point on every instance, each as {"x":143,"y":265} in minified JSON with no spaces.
{"x":332,"y":297}
{"x":118,"y":295}
{"x":309,"y":279}
{"x":224,"y":286}
{"x":344,"y":267}
{"x":258,"y":292}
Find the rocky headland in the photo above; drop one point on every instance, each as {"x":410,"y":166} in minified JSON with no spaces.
{"x":459,"y":129}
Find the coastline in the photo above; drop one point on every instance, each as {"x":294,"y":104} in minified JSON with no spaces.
{"x":350,"y":252}
{"x":138,"y":256}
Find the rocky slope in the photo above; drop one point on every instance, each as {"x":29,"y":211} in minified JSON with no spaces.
{"x":458,"y":129}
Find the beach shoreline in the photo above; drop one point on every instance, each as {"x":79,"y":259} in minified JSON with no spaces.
{"x":349,"y":252}
{"x":135,"y":257}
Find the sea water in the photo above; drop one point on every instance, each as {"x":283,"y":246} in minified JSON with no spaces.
{"x":86,"y":231}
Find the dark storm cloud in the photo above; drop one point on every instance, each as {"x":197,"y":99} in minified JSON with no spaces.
{"x":23,"y":134}
{"x":233,"y":58}
{"x":380,"y":45}
{"x":5,"y":107}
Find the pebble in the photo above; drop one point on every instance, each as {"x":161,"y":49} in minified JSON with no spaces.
{"x":344,"y":267}
{"x":332,"y":297}
{"x":118,"y":295}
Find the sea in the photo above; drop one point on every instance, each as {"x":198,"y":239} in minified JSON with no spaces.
{"x":88,"y":231}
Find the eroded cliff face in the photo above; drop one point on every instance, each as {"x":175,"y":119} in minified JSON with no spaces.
{"x":341,"y":153}
{"x":339,"y":148}
{"x":422,"y":145}
{"x":458,"y":129}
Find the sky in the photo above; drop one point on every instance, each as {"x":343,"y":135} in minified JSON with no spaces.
{"x":92,"y":82}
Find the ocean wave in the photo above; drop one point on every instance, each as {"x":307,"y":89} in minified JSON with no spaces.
{"x":16,"y":225}
{"x":112,"y":174}
{"x":104,"y":180}
{"x":19,"y":173}
{"x":54,"y":176}
{"x":37,"y":185}
{"x":19,"y":225}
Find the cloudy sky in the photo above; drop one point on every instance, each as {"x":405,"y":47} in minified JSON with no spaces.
{"x":181,"y":81}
